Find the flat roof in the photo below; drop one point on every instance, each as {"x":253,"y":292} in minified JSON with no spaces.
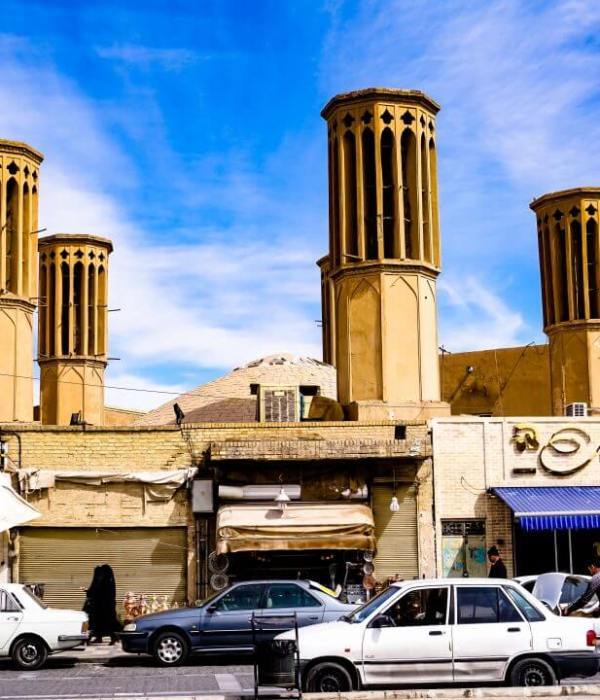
{"x":562,"y":194}
{"x":74,"y":238}
{"x":381,"y":93}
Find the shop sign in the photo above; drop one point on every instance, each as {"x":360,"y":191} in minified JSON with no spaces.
{"x":566,"y":451}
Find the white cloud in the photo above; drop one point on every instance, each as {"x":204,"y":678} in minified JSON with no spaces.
{"x":518,"y":85}
{"x":476,"y":318}
{"x":137,"y":392}
{"x":216,"y":302}
{"x":171,"y":59}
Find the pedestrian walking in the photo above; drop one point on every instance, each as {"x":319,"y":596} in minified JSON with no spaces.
{"x":101,"y":605}
{"x":592,"y":589}
{"x":497,"y":568}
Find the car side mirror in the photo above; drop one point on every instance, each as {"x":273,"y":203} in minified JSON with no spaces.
{"x":382,"y":621}
{"x":211,"y":609}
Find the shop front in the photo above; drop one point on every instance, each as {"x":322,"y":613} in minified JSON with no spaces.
{"x":556,"y":528}
{"x":331,"y":543}
{"x":529,"y":486}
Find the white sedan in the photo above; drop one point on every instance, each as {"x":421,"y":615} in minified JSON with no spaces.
{"x":444,"y":631}
{"x":29,"y":630}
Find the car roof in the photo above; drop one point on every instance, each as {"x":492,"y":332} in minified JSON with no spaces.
{"x":300,"y":582}
{"x":455,"y":581}
{"x":11,"y":586}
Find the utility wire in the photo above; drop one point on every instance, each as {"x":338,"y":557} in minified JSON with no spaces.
{"x":191,"y":392}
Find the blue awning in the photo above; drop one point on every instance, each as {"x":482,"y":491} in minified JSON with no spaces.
{"x":553,"y":507}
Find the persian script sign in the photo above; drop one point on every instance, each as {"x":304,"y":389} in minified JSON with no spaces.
{"x":567,"y":450}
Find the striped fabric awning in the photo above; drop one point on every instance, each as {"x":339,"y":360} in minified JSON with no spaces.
{"x":553,"y":507}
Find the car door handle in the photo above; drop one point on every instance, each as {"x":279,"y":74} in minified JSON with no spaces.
{"x":313,"y":617}
{"x":513,"y":629}
{"x":436,"y":633}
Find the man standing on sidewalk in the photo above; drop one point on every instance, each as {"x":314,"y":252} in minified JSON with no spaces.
{"x":497,"y":568}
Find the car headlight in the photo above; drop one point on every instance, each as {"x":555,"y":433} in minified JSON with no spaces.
{"x":130,"y":627}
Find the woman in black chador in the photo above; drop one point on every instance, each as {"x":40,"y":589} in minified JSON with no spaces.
{"x":101,"y":605}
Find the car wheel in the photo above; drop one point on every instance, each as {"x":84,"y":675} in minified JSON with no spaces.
{"x":328,"y":678}
{"x":532,"y":672}
{"x":170,"y":649}
{"x":29,"y":653}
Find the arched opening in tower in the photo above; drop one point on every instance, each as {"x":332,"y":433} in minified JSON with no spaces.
{"x":577,"y":269}
{"x":425,"y":201}
{"x":370,"y":193}
{"x":26,"y":245}
{"x":51,"y":308}
{"x":12,"y":234}
{"x":79,"y":308}
{"x":64,"y":308}
{"x":335,"y":208}
{"x":101,"y":312}
{"x":560,"y":247}
{"x":408,"y":154}
{"x":547,"y":264}
{"x":388,"y":182}
{"x":435,"y":213}
{"x":591,"y":234}
{"x":91,"y":309}
{"x":43,"y":325}
{"x":351,"y":228}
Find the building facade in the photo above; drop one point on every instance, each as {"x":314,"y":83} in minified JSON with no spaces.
{"x":530,"y":486}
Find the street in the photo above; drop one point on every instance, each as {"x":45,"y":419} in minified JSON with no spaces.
{"x":64,"y":677}
{"x":108,"y":672}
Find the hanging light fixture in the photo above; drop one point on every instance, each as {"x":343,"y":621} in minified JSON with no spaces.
{"x":394,"y":505}
{"x":282,"y":499}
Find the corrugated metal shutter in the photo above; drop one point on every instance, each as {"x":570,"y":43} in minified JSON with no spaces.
{"x":145,"y":560}
{"x":396,"y":533}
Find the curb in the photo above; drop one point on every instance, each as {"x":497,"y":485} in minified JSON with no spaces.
{"x":493,"y":692}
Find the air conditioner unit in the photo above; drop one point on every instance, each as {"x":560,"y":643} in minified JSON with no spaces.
{"x":576,"y":410}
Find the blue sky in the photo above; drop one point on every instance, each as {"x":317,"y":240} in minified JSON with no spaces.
{"x":189,"y":133}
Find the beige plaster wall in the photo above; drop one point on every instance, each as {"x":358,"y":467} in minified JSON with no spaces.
{"x":503,"y":382}
{"x":16,"y":360}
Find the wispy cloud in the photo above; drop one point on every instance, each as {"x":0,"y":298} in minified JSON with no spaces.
{"x":520,"y":116}
{"x":475,"y":318}
{"x":170,"y":59}
{"x":225,"y":296}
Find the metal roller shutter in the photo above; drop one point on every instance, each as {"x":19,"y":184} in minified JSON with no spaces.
{"x":396,"y":533}
{"x":145,"y":560}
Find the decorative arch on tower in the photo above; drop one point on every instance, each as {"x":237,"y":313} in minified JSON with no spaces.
{"x":408,"y":157}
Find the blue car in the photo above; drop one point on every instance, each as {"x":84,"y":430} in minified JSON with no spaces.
{"x":222,"y":623}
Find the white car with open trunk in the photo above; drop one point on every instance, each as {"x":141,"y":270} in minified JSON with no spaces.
{"x":29,"y":630}
{"x":446,"y":631}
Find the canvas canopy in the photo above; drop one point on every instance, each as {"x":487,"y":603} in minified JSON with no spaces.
{"x":158,"y":485}
{"x":249,"y":527}
{"x":14,"y":510}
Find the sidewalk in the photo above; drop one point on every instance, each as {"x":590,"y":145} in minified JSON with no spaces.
{"x":95,"y":653}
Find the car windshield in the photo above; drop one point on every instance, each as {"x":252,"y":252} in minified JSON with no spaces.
{"x":370,"y":606}
{"x":31,"y":596}
{"x":207,"y":601}
{"x":548,"y":588}
{"x":322,"y":589}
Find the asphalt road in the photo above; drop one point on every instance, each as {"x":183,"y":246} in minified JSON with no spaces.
{"x":63,"y":677}
{"x":124,"y":675}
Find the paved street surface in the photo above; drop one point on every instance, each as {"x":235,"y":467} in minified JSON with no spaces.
{"x":106,"y":672}
{"x":122,"y":674}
